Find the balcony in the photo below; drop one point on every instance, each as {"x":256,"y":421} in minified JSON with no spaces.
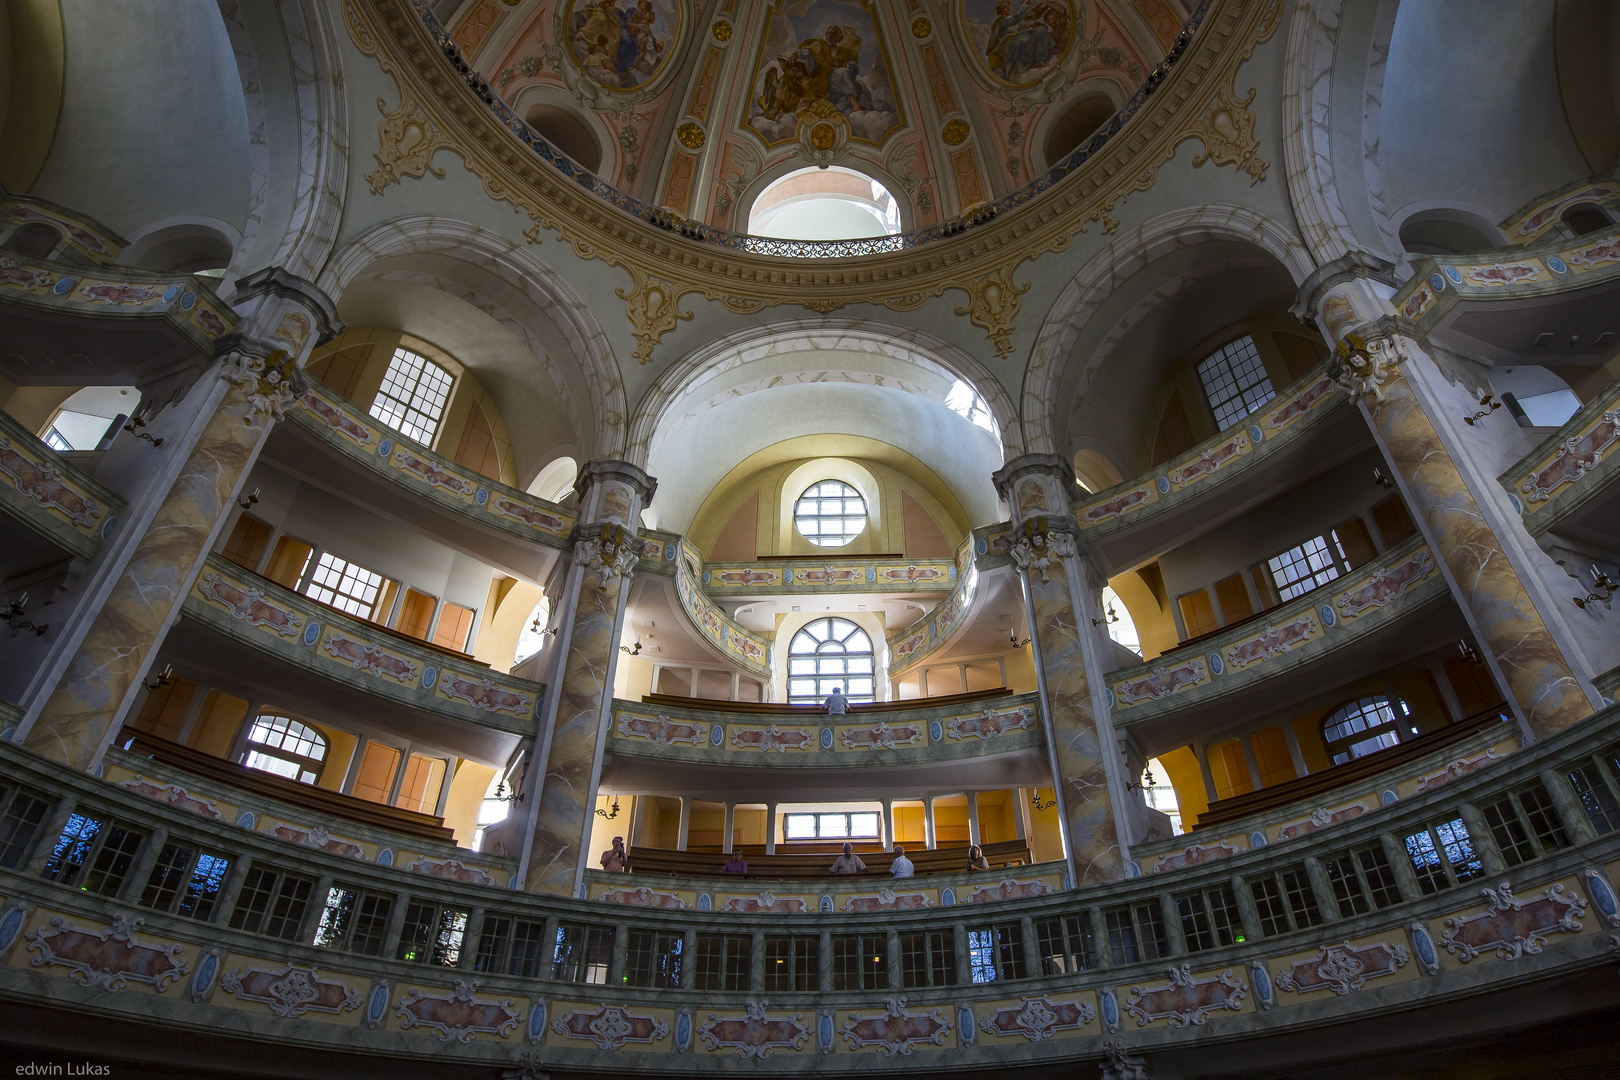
{"x":335,"y":666}
{"x":1566,"y":483}
{"x":53,"y":510}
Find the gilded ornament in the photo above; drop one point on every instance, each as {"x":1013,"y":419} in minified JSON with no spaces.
{"x":921,"y":27}
{"x":651,"y":306}
{"x":1226,"y":127}
{"x":721,"y":30}
{"x":409,"y":141}
{"x":955,"y":132}
{"x":690,"y":135}
{"x":993,"y":305}
{"x":823,"y":136}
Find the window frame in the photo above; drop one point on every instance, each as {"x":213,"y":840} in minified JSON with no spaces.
{"x":1066,"y":944}
{"x":103,"y":874}
{"x":432,"y":933}
{"x":804,"y":645}
{"x":996,"y":952}
{"x":1346,"y":745}
{"x":1285,"y":900}
{"x":590,"y":953}
{"x":1351,"y":874}
{"x":927,"y":957}
{"x":844,"y":515}
{"x":1129,"y":926}
{"x":1442,"y":871}
{"x":286,"y":901}
{"x":848,"y":818}
{"x":801,"y":957}
{"x":512,"y":945}
{"x":860,"y":961}
{"x":176,"y":872}
{"x":722,"y":962}
{"x":1236,"y":360}
{"x":1336,"y":567}
{"x":396,"y":412}
{"x":654,"y":958}
{"x":1538,"y":826}
{"x":16,"y":844}
{"x":317,"y":564}
{"x":305,"y":763}
{"x":1210,"y":918}
{"x":364,"y":907}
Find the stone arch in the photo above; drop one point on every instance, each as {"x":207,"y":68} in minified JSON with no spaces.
{"x":512,"y":262}
{"x":1129,"y":253}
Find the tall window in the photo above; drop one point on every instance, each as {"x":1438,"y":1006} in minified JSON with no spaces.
{"x":412,"y":397}
{"x":1315,"y":562}
{"x":1363,"y":727}
{"x":830,"y":513}
{"x":830,"y":653}
{"x":280,"y":745}
{"x":1235,"y":381}
{"x":344,"y":585}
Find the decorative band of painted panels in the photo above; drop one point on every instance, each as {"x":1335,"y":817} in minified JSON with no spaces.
{"x":743,"y":647}
{"x":129,"y":293}
{"x":910,"y":645}
{"x":1570,"y":466}
{"x":51,"y":496}
{"x":1292,"y":634}
{"x":355,"y":652}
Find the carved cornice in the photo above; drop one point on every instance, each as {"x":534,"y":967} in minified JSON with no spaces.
{"x":1194,"y":101}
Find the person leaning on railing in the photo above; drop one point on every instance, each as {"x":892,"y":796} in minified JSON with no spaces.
{"x":976,"y":859}
{"x":848,"y":862}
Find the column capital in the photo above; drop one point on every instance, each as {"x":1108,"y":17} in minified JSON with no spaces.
{"x":1350,"y":266}
{"x":277,"y":305}
{"x":1364,"y":356}
{"x":1036,"y":485}
{"x":613,"y":491}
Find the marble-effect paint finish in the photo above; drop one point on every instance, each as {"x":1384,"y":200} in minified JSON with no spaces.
{"x":1093,"y":838}
{"x":1537,"y":673}
{"x":562,"y":824}
{"x":77,"y":719}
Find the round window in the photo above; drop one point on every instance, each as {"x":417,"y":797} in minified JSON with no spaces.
{"x":830,"y":513}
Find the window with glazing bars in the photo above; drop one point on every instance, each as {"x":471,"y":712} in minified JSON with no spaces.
{"x":653,"y":959}
{"x":1362,"y":880}
{"x":928,"y":958}
{"x":185,"y":881}
{"x":508,"y":946}
{"x":344,"y":585}
{"x":1209,"y":918}
{"x":1364,"y":726}
{"x":1136,"y":933}
{"x":1066,"y":945}
{"x":1525,"y":824}
{"x":1596,"y":795}
{"x":1285,"y":901}
{"x":20,"y":821}
{"x":432,"y":935}
{"x":285,"y":747}
{"x":1235,"y":381}
{"x":1300,"y":569}
{"x":860,"y":961}
{"x":272,"y":903}
{"x":790,"y":963}
{"x":582,"y":954}
{"x":1443,"y":855}
{"x":353,"y":921}
{"x":412,"y":397}
{"x":996,"y":952}
{"x":722,"y":962}
{"x":93,"y":854}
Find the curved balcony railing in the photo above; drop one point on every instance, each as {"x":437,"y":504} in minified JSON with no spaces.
{"x":52,"y":497}
{"x":750,"y":651}
{"x":1462,"y":892}
{"x":359,"y":654}
{"x":360,"y":438}
{"x":1571,"y":465}
{"x":664,"y":218}
{"x":88,"y":240}
{"x":1557,"y":265}
{"x":801,"y":738}
{"x":910,"y":645}
{"x":828,"y":576}
{"x":1264,"y":433}
{"x":1542,"y":216}
{"x":1287,"y":637}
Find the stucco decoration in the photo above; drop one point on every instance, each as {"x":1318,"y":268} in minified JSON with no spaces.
{"x":107,"y":959}
{"x":993,"y":305}
{"x":409,"y":141}
{"x":1511,"y":926}
{"x":1185,"y":1001}
{"x":292,"y":991}
{"x":652,"y":305}
{"x":1343,"y":968}
{"x":458,"y":1017}
{"x":756,"y":1033}
{"x":609,"y":1027}
{"x":1227,"y":128}
{"x":1038,"y":1019}
{"x":896,"y":1030}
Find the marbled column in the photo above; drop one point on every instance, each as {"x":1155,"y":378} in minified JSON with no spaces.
{"x":1537,"y":673}
{"x":1036,"y":487}
{"x":579,"y":706}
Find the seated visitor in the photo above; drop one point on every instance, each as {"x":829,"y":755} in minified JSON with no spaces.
{"x":736,"y":864}
{"x":976,"y":859}
{"x":901,"y":867}
{"x":848,"y":862}
{"x":615,"y":859}
{"x":836,"y":704}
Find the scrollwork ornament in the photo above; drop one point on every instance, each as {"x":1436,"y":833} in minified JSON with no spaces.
{"x":993,"y":305}
{"x":409,"y":142}
{"x":653,"y":308}
{"x":1226,"y":127}
{"x":1363,"y":367}
{"x":607,"y":556}
{"x":269,"y":384}
{"x":1120,"y":1064}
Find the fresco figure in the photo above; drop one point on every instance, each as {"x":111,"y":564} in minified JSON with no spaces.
{"x":618,"y":46}
{"x":821,"y":53}
{"x":1026,"y":39}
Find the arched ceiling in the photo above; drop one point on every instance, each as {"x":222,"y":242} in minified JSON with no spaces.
{"x":697,"y":105}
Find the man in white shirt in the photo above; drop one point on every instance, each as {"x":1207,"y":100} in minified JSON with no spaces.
{"x":836,"y":704}
{"x":901,"y":867}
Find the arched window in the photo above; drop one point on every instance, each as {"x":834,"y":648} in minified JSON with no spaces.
{"x":1584,"y":218}
{"x":830,"y":653}
{"x":281,"y":745}
{"x":968,"y":404}
{"x":1364,"y":726}
{"x":532,"y":636}
{"x":824,"y":204}
{"x":413,"y":395}
{"x":830,"y":513}
{"x":1121,"y":627}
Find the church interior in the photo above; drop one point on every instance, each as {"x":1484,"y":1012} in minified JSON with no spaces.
{"x":556,"y":539}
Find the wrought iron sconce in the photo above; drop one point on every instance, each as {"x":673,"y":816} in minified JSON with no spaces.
{"x":1381,"y":480}
{"x":134,"y":428}
{"x":1110,"y":616}
{"x":1491,"y":405}
{"x":1038,"y":803}
{"x":13,"y":614}
{"x":1601,"y":592}
{"x":633,"y":652}
{"x":1466,"y":651}
{"x":164,"y":678}
{"x":250,"y":501}
{"x":1142,"y":783}
{"x":501,"y":795}
{"x":615,"y":812}
{"x":1014,"y":641}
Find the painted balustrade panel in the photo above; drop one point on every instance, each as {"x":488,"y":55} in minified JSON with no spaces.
{"x":906,"y":736}
{"x":1263,"y":432}
{"x":88,"y":237}
{"x":358,"y":653}
{"x":359,"y":437}
{"x":992,"y":545}
{"x":1556,"y":911}
{"x":909,"y":645}
{"x":762,"y":895}
{"x":1570,"y":466}
{"x":52,"y":496}
{"x":830,"y":575}
{"x":227,"y":806}
{"x":745,"y":648}
{"x":1540,"y":218}
{"x":658,"y":551}
{"x":1289,"y":635}
{"x":1325,"y":810}
{"x":181,"y":301}
{"x":1555,"y":265}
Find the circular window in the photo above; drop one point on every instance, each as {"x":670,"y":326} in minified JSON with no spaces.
{"x":830,"y":513}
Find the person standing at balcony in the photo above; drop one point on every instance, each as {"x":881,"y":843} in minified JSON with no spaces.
{"x":615,"y":859}
{"x":848,"y":862}
{"x":976,"y":859}
{"x":736,"y":864}
{"x":902,"y":866}
{"x":836,"y":704}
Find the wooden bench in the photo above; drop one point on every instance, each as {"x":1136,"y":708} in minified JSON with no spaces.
{"x":1317,"y":783}
{"x":813,"y":860}
{"x":320,"y":802}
